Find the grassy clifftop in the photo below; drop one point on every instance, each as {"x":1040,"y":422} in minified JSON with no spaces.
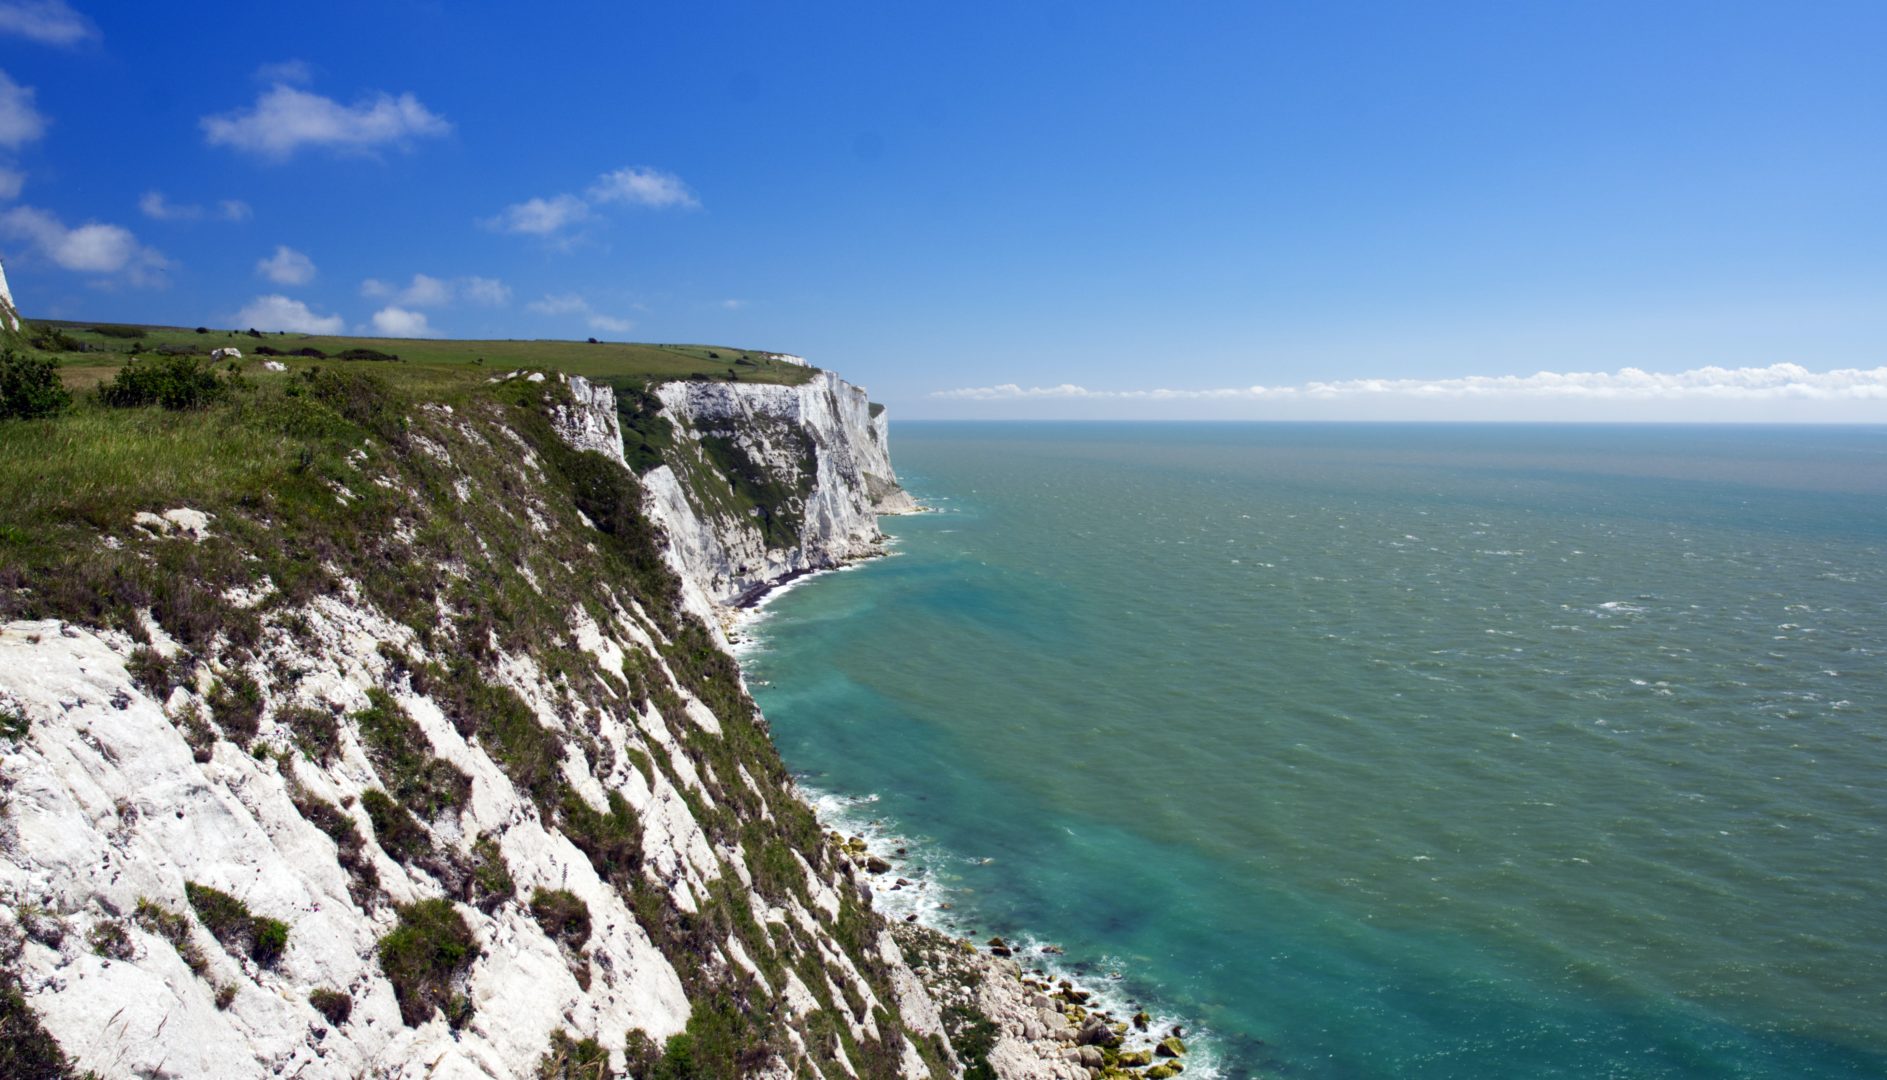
{"x":89,"y":353}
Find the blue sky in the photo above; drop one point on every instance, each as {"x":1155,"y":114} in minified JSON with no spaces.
{"x":1000,"y":210}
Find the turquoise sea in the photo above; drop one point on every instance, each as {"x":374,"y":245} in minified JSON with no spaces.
{"x":1385,"y":750}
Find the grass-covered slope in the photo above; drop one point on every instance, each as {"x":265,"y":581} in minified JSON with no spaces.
{"x":90,"y":352}
{"x":446,"y":504}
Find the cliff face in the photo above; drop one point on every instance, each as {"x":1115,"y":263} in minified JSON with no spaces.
{"x":412,"y":761}
{"x":765,"y":482}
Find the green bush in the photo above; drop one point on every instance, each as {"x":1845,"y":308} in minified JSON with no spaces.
{"x":563,"y":915}
{"x":236,"y":706}
{"x":173,"y":927}
{"x":335,"y":1005}
{"x":491,"y":883}
{"x":401,"y":754}
{"x":424,"y":956}
{"x":126,"y":332}
{"x":574,"y":1059}
{"x":230,"y":922}
{"x":613,"y":840}
{"x":27,"y":1049}
{"x":175,"y":382}
{"x":110,"y":939}
{"x":30,"y":387}
{"x":398,"y":831}
{"x":13,"y":725}
{"x":314,"y":730}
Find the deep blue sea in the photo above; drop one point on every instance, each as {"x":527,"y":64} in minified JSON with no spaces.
{"x":1385,"y":750}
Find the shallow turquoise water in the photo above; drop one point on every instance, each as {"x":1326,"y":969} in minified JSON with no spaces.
{"x":1387,"y":750}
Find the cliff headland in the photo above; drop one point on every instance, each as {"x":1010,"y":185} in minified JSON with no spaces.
{"x":367,"y":710}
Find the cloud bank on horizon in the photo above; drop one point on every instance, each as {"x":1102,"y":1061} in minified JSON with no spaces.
{"x":1775,"y":382}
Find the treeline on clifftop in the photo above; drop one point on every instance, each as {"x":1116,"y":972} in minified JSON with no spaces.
{"x":333,"y":480}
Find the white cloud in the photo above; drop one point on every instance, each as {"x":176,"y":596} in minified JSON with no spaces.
{"x":92,"y":248}
{"x":567,"y":304}
{"x":153,"y":205}
{"x":12,"y":181}
{"x":733,"y":305}
{"x":285,"y":119}
{"x":489,"y":292}
{"x":572,"y":304}
{"x":611,"y":324}
{"x":643,"y":186}
{"x":1775,"y":382}
{"x":49,"y":22}
{"x":277,"y":312}
{"x":540,"y":217}
{"x":287,"y":267}
{"x":20,"y":120}
{"x":551,"y":217}
{"x":399,"y":322}
{"x":157,"y":207}
{"x":291,"y":72}
{"x":425,"y":291}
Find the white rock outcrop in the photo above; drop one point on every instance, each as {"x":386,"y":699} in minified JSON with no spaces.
{"x":819,"y":439}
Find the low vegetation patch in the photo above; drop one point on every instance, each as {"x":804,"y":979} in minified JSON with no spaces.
{"x":574,"y":1059}
{"x":30,"y":387}
{"x":612,"y":840}
{"x":111,"y":940}
{"x":174,"y":927}
{"x":232,"y":924}
{"x":236,"y":706}
{"x":334,"y":1005}
{"x":364,"y":881}
{"x":397,"y":830}
{"x":424,"y":957}
{"x":400,"y":752}
{"x":316,"y":732}
{"x":174,"y":382}
{"x":563,"y":915}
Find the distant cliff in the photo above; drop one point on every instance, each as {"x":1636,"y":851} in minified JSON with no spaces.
{"x":763,"y":482}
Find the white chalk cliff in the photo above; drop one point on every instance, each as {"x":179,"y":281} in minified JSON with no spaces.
{"x":117,"y":795}
{"x":820,"y":441}
{"x":580,"y":739}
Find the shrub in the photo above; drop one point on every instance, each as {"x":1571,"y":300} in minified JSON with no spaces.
{"x":574,"y":1059}
{"x":613,"y":840}
{"x":27,"y":1049}
{"x":56,"y":340}
{"x":366,"y":354}
{"x":490,"y":883}
{"x":315,"y":731}
{"x":230,"y":922}
{"x":13,"y":724}
{"x":399,"y":751}
{"x":174,"y":927}
{"x":110,"y":939}
{"x":398,"y":831}
{"x":30,"y":387}
{"x":430,"y":950}
{"x":563,"y":915}
{"x":175,"y":382}
{"x":364,"y":881}
{"x":236,"y":706}
{"x":335,"y":1005}
{"x":311,"y":352}
{"x":128,"y":332}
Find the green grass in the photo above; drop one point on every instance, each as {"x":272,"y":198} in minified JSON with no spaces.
{"x":239,"y":930}
{"x":636,"y":362}
{"x":424,"y":957}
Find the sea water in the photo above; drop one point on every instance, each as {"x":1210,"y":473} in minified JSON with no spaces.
{"x":1385,"y":750}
